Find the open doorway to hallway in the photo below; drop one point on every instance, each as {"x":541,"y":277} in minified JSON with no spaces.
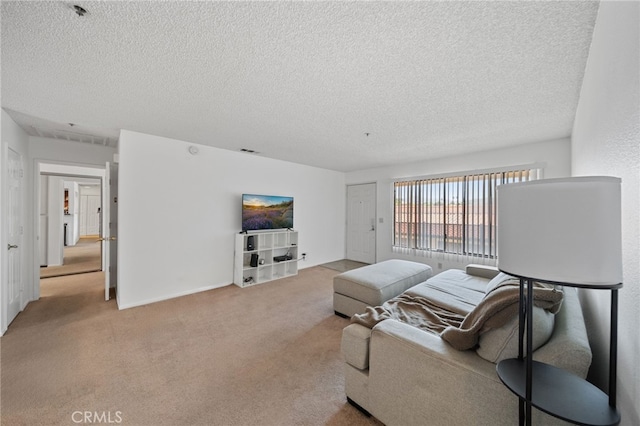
{"x":85,"y":256}
{"x":50,"y":213}
{"x":70,"y":225}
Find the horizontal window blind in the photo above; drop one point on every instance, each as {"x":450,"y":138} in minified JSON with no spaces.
{"x":454,"y":215}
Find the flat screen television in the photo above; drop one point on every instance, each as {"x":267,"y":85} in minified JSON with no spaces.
{"x":266,"y":212}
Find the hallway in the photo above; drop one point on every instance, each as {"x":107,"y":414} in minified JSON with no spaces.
{"x":83,"y":257}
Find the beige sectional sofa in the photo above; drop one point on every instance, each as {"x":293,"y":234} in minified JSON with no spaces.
{"x":403,"y":375}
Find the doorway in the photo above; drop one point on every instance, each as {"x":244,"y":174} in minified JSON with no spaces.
{"x":69,"y":231}
{"x":57,"y":173}
{"x":361,"y":222}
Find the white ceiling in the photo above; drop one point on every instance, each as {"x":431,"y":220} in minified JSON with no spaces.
{"x":300,"y":81}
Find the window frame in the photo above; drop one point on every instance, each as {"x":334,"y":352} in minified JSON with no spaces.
{"x":476,"y":222}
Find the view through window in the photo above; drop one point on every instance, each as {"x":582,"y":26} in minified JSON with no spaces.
{"x":451,"y":214}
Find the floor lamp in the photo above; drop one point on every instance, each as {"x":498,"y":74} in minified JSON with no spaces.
{"x":566,"y":232}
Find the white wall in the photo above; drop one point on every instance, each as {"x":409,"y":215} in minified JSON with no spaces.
{"x":606,"y":141}
{"x":13,"y":136}
{"x":68,"y":153}
{"x":178,"y":214}
{"x":555,"y":154}
{"x":55,"y":229}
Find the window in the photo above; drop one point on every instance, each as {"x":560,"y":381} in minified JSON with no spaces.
{"x":454,"y":214}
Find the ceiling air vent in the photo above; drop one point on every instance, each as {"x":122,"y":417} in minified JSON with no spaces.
{"x":249,"y":151}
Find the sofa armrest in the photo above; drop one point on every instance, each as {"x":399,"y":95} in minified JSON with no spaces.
{"x":483,"y":271}
{"x":355,"y":345}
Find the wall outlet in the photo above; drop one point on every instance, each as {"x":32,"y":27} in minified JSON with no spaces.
{"x":439,"y":265}
{"x":304,"y":256}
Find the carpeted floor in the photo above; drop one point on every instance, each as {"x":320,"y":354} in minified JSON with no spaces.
{"x":263,"y":355}
{"x":344,"y":265}
{"x":84,"y":256}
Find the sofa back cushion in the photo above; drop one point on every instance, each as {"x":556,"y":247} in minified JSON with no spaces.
{"x":502,"y":342}
{"x":499,"y":280}
{"x":568,"y":348}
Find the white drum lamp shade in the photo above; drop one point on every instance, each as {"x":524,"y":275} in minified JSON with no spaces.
{"x":561,"y":230}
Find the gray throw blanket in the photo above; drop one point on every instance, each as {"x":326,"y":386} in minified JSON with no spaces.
{"x":498,"y":307}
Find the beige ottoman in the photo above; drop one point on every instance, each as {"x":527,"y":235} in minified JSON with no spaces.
{"x":372,"y":285}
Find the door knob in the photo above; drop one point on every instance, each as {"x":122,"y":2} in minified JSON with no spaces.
{"x":11,"y":246}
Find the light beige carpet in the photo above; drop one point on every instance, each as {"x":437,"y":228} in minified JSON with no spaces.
{"x":263,"y":355}
{"x":84,"y":256}
{"x":344,"y":265}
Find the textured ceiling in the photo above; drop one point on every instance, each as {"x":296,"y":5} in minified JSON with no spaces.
{"x":301,"y":81}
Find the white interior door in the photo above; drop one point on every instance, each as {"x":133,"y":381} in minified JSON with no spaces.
{"x":361,"y":222}
{"x":14,"y":236}
{"x":110,"y":228}
{"x":91,"y":203}
{"x":83,"y":215}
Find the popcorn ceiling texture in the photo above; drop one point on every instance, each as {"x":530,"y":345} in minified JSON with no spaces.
{"x":304,"y":81}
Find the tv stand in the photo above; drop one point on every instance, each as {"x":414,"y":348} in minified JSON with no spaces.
{"x":267,"y":246}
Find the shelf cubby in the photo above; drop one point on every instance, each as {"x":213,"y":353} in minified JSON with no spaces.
{"x":266,"y":246}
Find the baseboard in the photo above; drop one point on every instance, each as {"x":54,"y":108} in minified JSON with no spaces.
{"x":122,"y":306}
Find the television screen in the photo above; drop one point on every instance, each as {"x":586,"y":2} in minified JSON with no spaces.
{"x":266,"y":212}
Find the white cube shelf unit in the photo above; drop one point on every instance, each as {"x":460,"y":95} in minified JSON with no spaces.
{"x":266,"y":246}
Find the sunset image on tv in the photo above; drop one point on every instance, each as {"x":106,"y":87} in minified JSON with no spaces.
{"x":266,"y":212}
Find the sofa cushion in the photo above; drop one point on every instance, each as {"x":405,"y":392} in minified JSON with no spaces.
{"x":484,"y":271}
{"x":497,"y":308}
{"x":498,"y":280}
{"x":454,"y":289}
{"x":502,"y":342}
